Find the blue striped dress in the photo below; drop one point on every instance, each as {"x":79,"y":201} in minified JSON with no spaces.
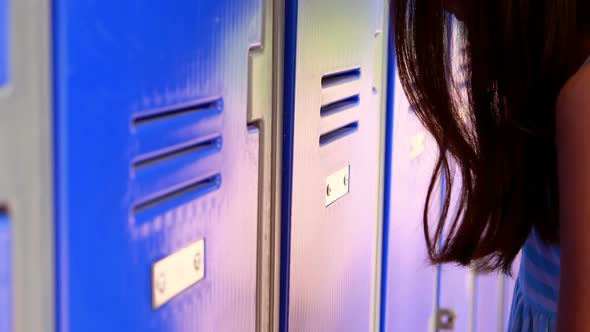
{"x":534,"y":305}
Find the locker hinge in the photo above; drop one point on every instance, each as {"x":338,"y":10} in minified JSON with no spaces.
{"x":444,"y":319}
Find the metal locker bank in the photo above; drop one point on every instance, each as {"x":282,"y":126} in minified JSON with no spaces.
{"x":415,"y":295}
{"x":217,"y":166}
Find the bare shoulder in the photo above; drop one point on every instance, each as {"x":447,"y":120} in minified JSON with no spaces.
{"x":574,"y":97}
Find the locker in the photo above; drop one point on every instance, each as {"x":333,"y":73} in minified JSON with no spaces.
{"x":139,"y":140}
{"x":156,"y":155}
{"x":410,"y":283}
{"x":334,"y":111}
{"x":414,"y":293}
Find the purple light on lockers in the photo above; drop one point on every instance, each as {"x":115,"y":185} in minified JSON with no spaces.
{"x":5,"y":274}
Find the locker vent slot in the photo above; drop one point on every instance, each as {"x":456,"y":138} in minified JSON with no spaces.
{"x":178,"y":157}
{"x":340,"y":105}
{"x":213,"y":106}
{"x":181,"y":195}
{"x":207,"y":147}
{"x":341,"y":77}
{"x":340,"y":102}
{"x":339,"y":133}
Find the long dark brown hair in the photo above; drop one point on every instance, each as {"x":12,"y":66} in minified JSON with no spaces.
{"x":500,"y":139}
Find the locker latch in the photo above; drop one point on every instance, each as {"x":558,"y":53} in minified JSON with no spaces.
{"x":177,"y":272}
{"x":337,"y":185}
{"x":445,"y":319}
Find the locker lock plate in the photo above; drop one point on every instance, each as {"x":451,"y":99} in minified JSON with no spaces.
{"x":175,"y":273}
{"x":337,"y":185}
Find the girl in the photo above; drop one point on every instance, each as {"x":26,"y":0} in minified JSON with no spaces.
{"x":520,"y":142}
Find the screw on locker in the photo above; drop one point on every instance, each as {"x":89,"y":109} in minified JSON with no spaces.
{"x":328,"y":190}
{"x":345,"y":180}
{"x":161,"y":283}
{"x":197,"y":261}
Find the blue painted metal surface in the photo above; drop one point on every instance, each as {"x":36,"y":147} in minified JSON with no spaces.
{"x":389,"y":125}
{"x":289,"y":77}
{"x":4,"y":41}
{"x":330,"y":272}
{"x":153,"y":153}
{"x":5,"y":274}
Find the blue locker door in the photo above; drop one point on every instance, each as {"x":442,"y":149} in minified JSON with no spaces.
{"x":410,"y":290}
{"x":334,"y":79}
{"x":154,"y":154}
